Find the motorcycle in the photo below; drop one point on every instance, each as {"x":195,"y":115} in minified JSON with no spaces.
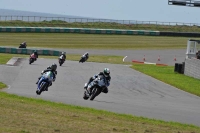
{"x":99,"y":84}
{"x":61,"y":60}
{"x":22,"y":46}
{"x":32,"y":58}
{"x":44,"y":82}
{"x":83,"y":59}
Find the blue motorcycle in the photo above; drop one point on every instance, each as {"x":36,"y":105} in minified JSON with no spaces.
{"x":44,"y":82}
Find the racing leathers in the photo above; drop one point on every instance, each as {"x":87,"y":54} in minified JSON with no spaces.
{"x":108,"y":79}
{"x":46,"y":70}
{"x":63,"y":56}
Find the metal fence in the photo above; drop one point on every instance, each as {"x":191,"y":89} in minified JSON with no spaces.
{"x":89,"y":20}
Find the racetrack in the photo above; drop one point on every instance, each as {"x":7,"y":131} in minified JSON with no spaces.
{"x":130,"y":92}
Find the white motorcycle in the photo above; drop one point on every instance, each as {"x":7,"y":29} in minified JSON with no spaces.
{"x":97,"y":86}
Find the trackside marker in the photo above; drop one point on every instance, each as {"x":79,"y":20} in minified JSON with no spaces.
{"x":124,"y":58}
{"x":140,"y":62}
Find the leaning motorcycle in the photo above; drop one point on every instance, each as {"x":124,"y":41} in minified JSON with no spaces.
{"x":99,"y":84}
{"x":22,"y":46}
{"x":32,"y":58}
{"x":44,"y":82}
{"x":61,"y":60}
{"x":83,"y":59}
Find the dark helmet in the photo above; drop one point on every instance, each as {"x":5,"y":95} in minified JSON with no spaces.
{"x":87,"y":53}
{"x":54,"y":67}
{"x":106,"y":72}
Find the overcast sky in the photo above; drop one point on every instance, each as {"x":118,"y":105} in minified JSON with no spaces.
{"x":144,"y":10}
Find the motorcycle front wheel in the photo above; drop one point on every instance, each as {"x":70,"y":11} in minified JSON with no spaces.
{"x":95,"y":92}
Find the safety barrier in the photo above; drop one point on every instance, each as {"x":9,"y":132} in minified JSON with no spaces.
{"x":78,"y":30}
{"x":29,"y":51}
{"x":180,"y":34}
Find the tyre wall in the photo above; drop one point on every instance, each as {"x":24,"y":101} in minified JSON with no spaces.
{"x":29,"y":51}
{"x":78,"y":30}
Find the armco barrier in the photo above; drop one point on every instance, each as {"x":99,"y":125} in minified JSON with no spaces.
{"x":78,"y":30}
{"x":29,"y":51}
{"x":180,"y":34}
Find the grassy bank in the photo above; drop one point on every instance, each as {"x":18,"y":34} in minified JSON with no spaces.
{"x":27,"y":115}
{"x":167,"y":75}
{"x":92,"y":41}
{"x":103,"y":25}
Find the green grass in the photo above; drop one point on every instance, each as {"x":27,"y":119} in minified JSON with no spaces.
{"x":2,"y":85}
{"x":27,"y":115}
{"x":102,"y":25}
{"x":4,"y":58}
{"x":167,"y":75}
{"x":92,"y":41}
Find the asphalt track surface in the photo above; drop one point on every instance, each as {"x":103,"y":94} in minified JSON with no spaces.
{"x":130,"y":92}
{"x":166,"y":56}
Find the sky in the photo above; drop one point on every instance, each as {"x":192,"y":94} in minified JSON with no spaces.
{"x":141,"y":10}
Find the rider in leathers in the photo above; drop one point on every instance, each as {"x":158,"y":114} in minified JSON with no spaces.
{"x":86,"y":56}
{"x":106,"y":74}
{"x":64,"y":54}
{"x":51,"y":68}
{"x":36,"y":54}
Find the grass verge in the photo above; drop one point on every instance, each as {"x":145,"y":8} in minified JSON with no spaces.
{"x":4,"y":58}
{"x":167,"y":75}
{"x":92,"y":41}
{"x":2,"y":85}
{"x":102,"y":25}
{"x":26,"y":115}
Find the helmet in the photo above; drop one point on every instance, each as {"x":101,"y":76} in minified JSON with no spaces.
{"x":106,"y":72}
{"x":54,"y":67}
{"x":35,"y":52}
{"x":87,"y":53}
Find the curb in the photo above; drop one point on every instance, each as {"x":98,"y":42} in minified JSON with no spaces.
{"x":12,"y":61}
{"x":140,"y":62}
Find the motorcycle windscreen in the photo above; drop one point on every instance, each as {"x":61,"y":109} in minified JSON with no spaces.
{"x":61,"y":57}
{"x":48,"y":75}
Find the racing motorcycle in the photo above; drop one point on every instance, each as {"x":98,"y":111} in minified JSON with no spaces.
{"x":22,"y":46}
{"x":99,"y":84}
{"x":32,"y":58}
{"x":61,"y":60}
{"x":44,"y":82}
{"x":83,"y":59}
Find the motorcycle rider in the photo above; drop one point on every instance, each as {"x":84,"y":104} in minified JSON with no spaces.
{"x":64,"y":55}
{"x":86,"y":55}
{"x":51,"y":68}
{"x":36,"y":54}
{"x":23,"y":44}
{"x":106,"y":74}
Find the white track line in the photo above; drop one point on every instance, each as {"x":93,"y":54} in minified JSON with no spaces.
{"x":9,"y":86}
{"x":124,"y":58}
